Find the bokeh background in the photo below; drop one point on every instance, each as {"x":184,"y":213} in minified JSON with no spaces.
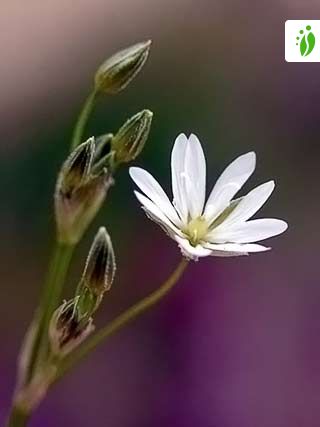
{"x":237,"y":343}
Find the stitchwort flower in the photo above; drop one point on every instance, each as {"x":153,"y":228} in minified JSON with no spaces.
{"x":219,"y":227}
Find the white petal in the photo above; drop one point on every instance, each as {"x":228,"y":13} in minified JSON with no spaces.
{"x":151,"y":188}
{"x":157,"y":215}
{"x":228,"y":184}
{"x":192,"y":252}
{"x":251,"y":231}
{"x":248,"y":205}
{"x":234,"y":249}
{"x":195,"y":176}
{"x":177,"y":173}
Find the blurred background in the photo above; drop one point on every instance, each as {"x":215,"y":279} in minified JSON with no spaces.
{"x":237,"y":343}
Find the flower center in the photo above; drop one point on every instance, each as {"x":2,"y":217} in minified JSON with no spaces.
{"x":196,"y":230}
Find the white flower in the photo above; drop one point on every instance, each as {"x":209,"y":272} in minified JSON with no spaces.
{"x":218,"y":227}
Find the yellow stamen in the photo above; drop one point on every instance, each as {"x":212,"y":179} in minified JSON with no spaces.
{"x":196,"y":230}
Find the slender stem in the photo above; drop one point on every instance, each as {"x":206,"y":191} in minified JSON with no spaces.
{"x":60,"y":260}
{"x":122,"y":320}
{"x":83,"y":118}
{"x":57,"y":274}
{"x":17,"y":418}
{"x":53,"y":288}
{"x":54,"y":284}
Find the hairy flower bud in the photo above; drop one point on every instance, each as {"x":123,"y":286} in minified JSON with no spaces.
{"x":98,"y":274}
{"x":80,"y":191}
{"x":117,"y":72}
{"x":132,"y":136}
{"x":76,"y":169}
{"x":100,"y":267}
{"x":67,"y":330}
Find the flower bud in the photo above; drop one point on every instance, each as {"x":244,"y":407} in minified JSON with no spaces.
{"x":132,"y":136}
{"x":77,"y":167}
{"x":100,"y":267}
{"x":97,"y":276}
{"x":67,"y":330}
{"x":80,"y":191}
{"x":117,"y":72}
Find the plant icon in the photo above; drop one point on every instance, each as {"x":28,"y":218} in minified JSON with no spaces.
{"x":306,"y":40}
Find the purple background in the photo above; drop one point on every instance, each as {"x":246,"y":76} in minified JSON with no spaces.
{"x":237,"y":343}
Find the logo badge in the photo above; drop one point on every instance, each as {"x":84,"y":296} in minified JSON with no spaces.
{"x":302,"y":41}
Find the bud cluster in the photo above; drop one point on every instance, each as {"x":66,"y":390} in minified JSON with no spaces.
{"x":72,"y":322}
{"x":81,"y":188}
{"x":82,"y":185}
{"x":67,"y":329}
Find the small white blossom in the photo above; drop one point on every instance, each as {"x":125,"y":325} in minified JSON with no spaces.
{"x":218,"y":227}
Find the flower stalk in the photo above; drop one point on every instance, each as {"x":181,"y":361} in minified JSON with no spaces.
{"x":83,"y":118}
{"x":17,"y":418}
{"x":81,"y":188}
{"x":52,"y":291}
{"x":122,"y":320}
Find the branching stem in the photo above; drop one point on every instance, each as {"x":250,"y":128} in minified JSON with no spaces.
{"x":122,"y":320}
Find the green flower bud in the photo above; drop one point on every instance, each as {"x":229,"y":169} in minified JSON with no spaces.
{"x":67,"y":330}
{"x":76,"y":169}
{"x":117,"y":72}
{"x":80,"y":191}
{"x":132,"y":136}
{"x":100,"y":267}
{"x":98,"y":274}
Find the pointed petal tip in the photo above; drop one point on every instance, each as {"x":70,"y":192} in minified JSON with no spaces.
{"x":250,"y":157}
{"x":256,"y":247}
{"x":270,"y":184}
{"x":141,"y":197}
{"x":137,"y":194}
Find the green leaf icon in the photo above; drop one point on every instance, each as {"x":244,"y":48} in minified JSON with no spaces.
{"x":307,"y":44}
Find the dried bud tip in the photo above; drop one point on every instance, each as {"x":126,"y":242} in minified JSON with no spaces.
{"x":117,"y":72}
{"x":100,"y":267}
{"x":132,"y":136}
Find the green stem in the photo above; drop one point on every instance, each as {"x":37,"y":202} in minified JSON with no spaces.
{"x":17,"y":418}
{"x":82,"y":119}
{"x":52,"y":292}
{"x":122,"y":320}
